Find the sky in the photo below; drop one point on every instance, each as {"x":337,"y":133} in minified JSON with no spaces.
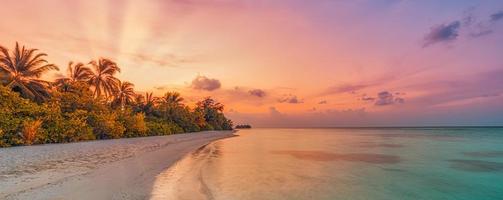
{"x":288,"y":63}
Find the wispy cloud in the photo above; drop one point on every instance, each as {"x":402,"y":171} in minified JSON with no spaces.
{"x":497,"y":16}
{"x":479,"y":86}
{"x":385,"y":98}
{"x":167,"y":60}
{"x":290,"y":99}
{"x":442,"y":33}
{"x":345,"y":88}
{"x":160,"y":87}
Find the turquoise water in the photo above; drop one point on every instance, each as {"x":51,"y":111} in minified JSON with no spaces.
{"x":385,"y":163}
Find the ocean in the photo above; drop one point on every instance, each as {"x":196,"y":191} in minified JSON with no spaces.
{"x":342,"y":163}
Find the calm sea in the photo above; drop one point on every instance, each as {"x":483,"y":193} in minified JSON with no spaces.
{"x":380,"y":163}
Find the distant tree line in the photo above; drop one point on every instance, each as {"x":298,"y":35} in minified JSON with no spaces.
{"x":243,"y":126}
{"x":89,"y":103}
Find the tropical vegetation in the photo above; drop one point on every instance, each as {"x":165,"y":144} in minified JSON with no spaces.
{"x":89,"y":103}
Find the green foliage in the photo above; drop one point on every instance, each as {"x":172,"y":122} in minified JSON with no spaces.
{"x":15,"y":110}
{"x":78,"y":96}
{"x":212,"y":111}
{"x":106,"y":125}
{"x":134,"y":124}
{"x":2,"y":142}
{"x":179,"y":115}
{"x":90,"y":104}
{"x":160,"y":127}
{"x":66,"y":127}
{"x":30,"y":130}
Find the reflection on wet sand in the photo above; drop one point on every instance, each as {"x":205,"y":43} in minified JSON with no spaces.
{"x":484,"y":154}
{"x":476,"y":165}
{"x":352,"y":157}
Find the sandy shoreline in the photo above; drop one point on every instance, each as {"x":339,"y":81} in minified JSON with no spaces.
{"x":108,"y":169}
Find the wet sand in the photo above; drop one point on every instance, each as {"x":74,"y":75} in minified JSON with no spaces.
{"x":109,"y":169}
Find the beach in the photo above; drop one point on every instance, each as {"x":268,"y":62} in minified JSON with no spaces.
{"x":106,"y":169}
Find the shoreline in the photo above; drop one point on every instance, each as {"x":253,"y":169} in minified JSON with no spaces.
{"x":108,"y":169}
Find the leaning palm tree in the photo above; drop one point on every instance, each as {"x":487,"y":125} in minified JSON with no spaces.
{"x":76,"y":73}
{"x":22,"y":71}
{"x":172,"y":99}
{"x":102,"y":78}
{"x":124,"y":94}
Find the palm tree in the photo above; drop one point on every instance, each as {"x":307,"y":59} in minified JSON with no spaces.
{"x":150,"y":100}
{"x":102,"y":79}
{"x":172,"y":99}
{"x":171,"y":106}
{"x":124,"y":94}
{"x":76,"y":73}
{"x":22,"y":70}
{"x":146,"y":103}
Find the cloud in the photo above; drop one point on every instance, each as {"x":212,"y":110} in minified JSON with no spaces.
{"x":481,"y":33}
{"x":442,"y":33}
{"x":273,"y":111}
{"x":345,"y":88}
{"x":497,"y":16}
{"x":387,"y":98}
{"x":205,"y":83}
{"x":290,"y":99}
{"x":478,"y":28}
{"x":166,"y":60}
{"x":478,"y":86}
{"x":257,"y":92}
{"x":366,"y":98}
{"x":160,"y":87}
{"x":399,"y":100}
{"x":323,"y":102}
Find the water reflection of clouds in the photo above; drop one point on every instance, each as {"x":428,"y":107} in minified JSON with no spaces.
{"x":351,"y":157}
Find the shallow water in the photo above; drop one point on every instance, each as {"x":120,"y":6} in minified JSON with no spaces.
{"x":385,"y":163}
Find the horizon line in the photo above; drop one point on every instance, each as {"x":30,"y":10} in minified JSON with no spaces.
{"x":383,"y":127}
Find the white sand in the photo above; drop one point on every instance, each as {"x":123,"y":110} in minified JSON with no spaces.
{"x":106,"y":169}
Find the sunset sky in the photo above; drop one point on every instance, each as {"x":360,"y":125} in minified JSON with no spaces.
{"x":288,"y":63}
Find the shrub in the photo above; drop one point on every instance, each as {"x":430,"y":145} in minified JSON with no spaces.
{"x":160,"y":127}
{"x":2,"y":142}
{"x":15,"y":110}
{"x":75,"y":128}
{"x":134,"y":124}
{"x":105,"y":125}
{"x":30,"y":130}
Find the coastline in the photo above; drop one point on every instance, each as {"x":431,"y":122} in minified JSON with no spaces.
{"x":109,"y":169}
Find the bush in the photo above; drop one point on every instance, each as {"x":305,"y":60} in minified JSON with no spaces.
{"x":15,"y":110}
{"x":76,"y":127}
{"x":30,"y":130}
{"x":159,"y":127}
{"x":106,"y":125}
{"x":2,"y":142}
{"x":134,"y":124}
